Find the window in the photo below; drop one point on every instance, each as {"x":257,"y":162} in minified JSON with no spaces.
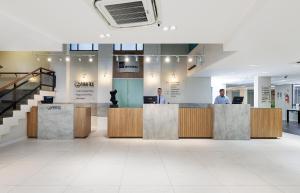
{"x":128,"y":47}
{"x":84,"y":47}
{"x":296,"y":94}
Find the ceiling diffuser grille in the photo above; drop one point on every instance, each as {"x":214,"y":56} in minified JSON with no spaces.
{"x":128,"y":13}
{"x":125,"y":13}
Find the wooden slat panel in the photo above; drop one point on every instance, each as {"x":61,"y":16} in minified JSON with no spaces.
{"x":32,"y":119}
{"x":195,"y":122}
{"x":82,"y":122}
{"x":125,"y":122}
{"x":266,"y":123}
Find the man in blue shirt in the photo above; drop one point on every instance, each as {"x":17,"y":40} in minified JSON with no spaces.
{"x":222,"y":99}
{"x":160,"y":98}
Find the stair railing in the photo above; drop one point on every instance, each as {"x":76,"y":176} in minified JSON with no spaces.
{"x":20,"y":88}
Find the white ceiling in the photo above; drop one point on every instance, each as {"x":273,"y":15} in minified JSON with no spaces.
{"x":53,"y":22}
{"x":267,"y":43}
{"x":263,"y":34}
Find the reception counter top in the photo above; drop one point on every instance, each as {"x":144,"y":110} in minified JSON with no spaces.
{"x":231,"y":121}
{"x":173,"y":121}
{"x":63,"y":121}
{"x":160,"y":121}
{"x":55,"y":121}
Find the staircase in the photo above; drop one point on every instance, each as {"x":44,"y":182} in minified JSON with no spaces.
{"x":17,"y":98}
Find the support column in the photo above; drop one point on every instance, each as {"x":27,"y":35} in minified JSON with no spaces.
{"x":105,"y":62}
{"x":262,"y":92}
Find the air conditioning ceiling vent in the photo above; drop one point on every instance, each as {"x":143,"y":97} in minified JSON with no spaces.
{"x":127,"y":13}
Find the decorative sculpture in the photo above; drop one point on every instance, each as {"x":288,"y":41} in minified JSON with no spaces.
{"x":113,"y":99}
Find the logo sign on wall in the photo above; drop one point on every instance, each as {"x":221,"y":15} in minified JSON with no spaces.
{"x":173,"y":91}
{"x":84,"y":91}
{"x":128,"y":66}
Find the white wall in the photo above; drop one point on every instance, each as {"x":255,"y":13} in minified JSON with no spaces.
{"x":192,"y":89}
{"x":280,"y":92}
{"x":197,"y":90}
{"x":152,"y":70}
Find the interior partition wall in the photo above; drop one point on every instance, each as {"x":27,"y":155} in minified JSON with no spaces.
{"x":130,"y":91}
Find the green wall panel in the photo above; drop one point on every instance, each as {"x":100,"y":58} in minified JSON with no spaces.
{"x":130,"y":92}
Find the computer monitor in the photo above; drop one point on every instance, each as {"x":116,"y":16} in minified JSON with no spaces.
{"x":237,"y":100}
{"x":150,"y":99}
{"x":48,"y":100}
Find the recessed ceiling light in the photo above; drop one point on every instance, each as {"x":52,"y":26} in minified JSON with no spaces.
{"x":38,"y":59}
{"x":68,"y":59}
{"x":102,"y":36}
{"x":173,"y":27}
{"x":49,"y":59}
{"x":190,"y":60}
{"x":127,"y":59}
{"x":91,"y":59}
{"x":107,"y":35}
{"x":166,"y":28}
{"x":167,"y":59}
{"x":79,"y":59}
{"x":148,"y":59}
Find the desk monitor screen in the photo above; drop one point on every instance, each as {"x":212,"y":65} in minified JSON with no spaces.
{"x":237,"y":100}
{"x":48,"y":100}
{"x":150,"y":99}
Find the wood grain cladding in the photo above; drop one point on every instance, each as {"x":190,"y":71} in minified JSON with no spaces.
{"x":125,"y":122}
{"x":195,"y":122}
{"x":82,"y":122}
{"x":266,"y":123}
{"x":32,"y":120}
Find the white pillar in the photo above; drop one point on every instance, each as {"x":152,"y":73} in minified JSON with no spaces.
{"x":262,"y":91}
{"x":105,"y":74}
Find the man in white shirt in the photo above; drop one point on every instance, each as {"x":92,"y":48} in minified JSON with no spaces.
{"x":160,"y":98}
{"x":222,"y":99}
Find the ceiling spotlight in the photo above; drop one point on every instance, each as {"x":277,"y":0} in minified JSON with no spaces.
{"x":102,"y":36}
{"x":107,"y":35}
{"x":167,"y":59}
{"x":148,"y":59}
{"x":68,"y":59}
{"x":190,"y":60}
{"x":91,"y":59}
{"x":38,"y":59}
{"x":49,"y":59}
{"x":127,"y":59}
{"x":173,"y":27}
{"x":166,"y":28}
{"x":79,"y":59}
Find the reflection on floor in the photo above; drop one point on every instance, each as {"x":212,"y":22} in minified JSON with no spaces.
{"x":98,"y":164}
{"x":291,"y":127}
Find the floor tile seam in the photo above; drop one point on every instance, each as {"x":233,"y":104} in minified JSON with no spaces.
{"x":164,"y":166}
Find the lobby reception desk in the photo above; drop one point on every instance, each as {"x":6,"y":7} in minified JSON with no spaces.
{"x":173,"y":121}
{"x":59,"y":121}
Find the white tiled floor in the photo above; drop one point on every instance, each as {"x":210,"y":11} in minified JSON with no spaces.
{"x":98,"y":164}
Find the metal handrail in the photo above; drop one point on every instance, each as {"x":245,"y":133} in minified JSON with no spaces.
{"x":18,"y":82}
{"x":37,"y":71}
